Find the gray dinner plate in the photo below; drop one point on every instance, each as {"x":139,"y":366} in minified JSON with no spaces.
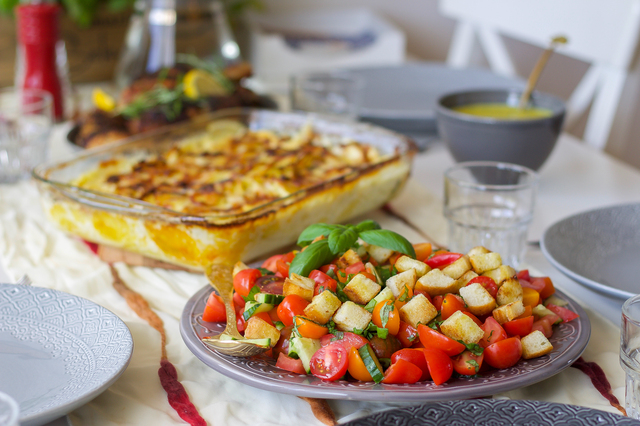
{"x":493,"y":412}
{"x":569,"y":341}
{"x":599,"y":249}
{"x":57,"y":351}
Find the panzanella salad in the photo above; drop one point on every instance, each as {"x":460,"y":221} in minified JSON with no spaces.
{"x":361,"y":302}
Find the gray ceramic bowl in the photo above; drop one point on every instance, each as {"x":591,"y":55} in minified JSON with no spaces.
{"x":524,"y":142}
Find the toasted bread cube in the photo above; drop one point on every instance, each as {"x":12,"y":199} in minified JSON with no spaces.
{"x":404,"y":263}
{"x":485,"y":262}
{"x":508,"y":312}
{"x":350,"y":316}
{"x":465,"y":278}
{"x":509,"y":291}
{"x":535,"y":344}
{"x":239,"y":266}
{"x":435,"y":282}
{"x":322,"y":307}
{"x":458,"y":268}
{"x":478,"y":300}
{"x":460,"y":327}
{"x":297,"y":284}
{"x":361,"y":289}
{"x":257,"y":328}
{"x":478,"y":250}
{"x":500,"y":274}
{"x":348,"y":258}
{"x":398,"y":282}
{"x":418,"y":310}
{"x":380,"y":254}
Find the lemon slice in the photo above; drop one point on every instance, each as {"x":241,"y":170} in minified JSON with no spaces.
{"x":102,"y":100}
{"x":199,"y":83}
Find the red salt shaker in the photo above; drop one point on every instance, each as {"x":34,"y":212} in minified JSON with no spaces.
{"x":38,"y":35}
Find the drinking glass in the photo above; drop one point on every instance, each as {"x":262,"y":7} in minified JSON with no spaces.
{"x":9,"y":410}
{"x":490,"y":204}
{"x":630,"y":354}
{"x":26,"y":118}
{"x":331,"y":93}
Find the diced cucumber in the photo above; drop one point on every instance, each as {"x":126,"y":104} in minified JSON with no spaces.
{"x":555,"y":300}
{"x":371,"y":363}
{"x":266,"y":342}
{"x":272,"y":299}
{"x":541,"y":311}
{"x":304,"y":348}
{"x":372,"y":269}
{"x":251,"y":308}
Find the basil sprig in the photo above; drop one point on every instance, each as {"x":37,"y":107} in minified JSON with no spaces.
{"x":314,"y":256}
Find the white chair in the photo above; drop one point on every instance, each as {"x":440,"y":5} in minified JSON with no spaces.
{"x":602,"y":33}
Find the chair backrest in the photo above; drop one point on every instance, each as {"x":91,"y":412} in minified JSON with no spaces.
{"x":602,"y":33}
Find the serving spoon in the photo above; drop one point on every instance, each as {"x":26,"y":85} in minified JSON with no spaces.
{"x":229,"y":342}
{"x":537,"y":70}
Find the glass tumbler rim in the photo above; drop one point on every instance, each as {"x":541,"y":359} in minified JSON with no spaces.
{"x":626,"y":306}
{"x":45,"y":101}
{"x":532,"y":174}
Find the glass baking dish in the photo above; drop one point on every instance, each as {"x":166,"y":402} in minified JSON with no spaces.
{"x":195,"y":241}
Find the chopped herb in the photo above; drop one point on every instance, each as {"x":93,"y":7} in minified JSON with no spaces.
{"x":371,"y":305}
{"x":265,"y":271}
{"x":385,"y":312}
{"x":251,"y":296}
{"x":404,"y":296}
{"x":474,"y":364}
{"x":435,"y":323}
{"x":474,"y":348}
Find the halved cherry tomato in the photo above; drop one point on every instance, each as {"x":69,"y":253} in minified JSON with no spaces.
{"x":356,"y":367}
{"x":530,"y":297}
{"x":441,"y":260}
{"x":451,"y":304}
{"x":548,"y":289}
{"x":432,"y":339}
{"x":283,"y":268}
{"x":493,"y":332}
{"x":291,"y":306}
{"x":503,"y":354}
{"x":290,"y":364}
{"x":467,"y":363}
{"x":405,"y":295}
{"x":310,"y":329}
{"x":283,"y":342}
{"x":348,"y":340}
{"x":214,"y":310}
{"x":270,"y":263}
{"x":402,"y":371}
{"x":355,"y":268}
{"x":392,"y":322}
{"x":329,"y":267}
{"x":244,"y":281}
{"x":437,"y":302}
{"x":524,"y":275}
{"x":264,"y":316}
{"x":563,"y":313}
{"x":535,"y":285}
{"x":323,"y":282}
{"x":407,"y":334}
{"x":519,"y":327}
{"x":423,"y":251}
{"x":271,"y":284}
{"x":329,"y":362}
{"x":414,"y":356}
{"x":440,"y":365}
{"x":238,"y":302}
{"x":487,"y":282}
{"x":342,"y":276}
{"x":240,"y":322}
{"x":542,"y":326}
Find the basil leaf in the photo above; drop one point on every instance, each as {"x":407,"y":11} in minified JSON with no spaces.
{"x":382,"y":332}
{"x":369,"y":306}
{"x":313,"y":257}
{"x":341,"y":240}
{"x":314,"y":231}
{"x":474,"y":364}
{"x":390,"y":240}
{"x":367,"y":225}
{"x":250,"y":297}
{"x":384,"y":313}
{"x":265,"y":271}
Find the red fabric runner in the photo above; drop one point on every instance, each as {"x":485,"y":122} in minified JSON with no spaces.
{"x":599,"y":380}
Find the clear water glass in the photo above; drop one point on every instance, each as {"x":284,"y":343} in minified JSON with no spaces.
{"x":330,"y":93}
{"x":630,"y":354}
{"x":490,"y":204}
{"x":9,"y":410}
{"x":26,"y":119}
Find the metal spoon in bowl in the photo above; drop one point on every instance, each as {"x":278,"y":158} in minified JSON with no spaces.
{"x":537,"y":70}
{"x":230,"y":342}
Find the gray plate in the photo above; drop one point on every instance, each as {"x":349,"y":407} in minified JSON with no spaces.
{"x":57,"y":351}
{"x":599,"y":249}
{"x":494,"y":412}
{"x":569,"y":340}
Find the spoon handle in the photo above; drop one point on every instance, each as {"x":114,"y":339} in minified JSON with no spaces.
{"x":535,"y":75}
{"x":220,"y":278}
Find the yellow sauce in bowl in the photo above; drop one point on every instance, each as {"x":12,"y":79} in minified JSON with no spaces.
{"x":503,"y":111}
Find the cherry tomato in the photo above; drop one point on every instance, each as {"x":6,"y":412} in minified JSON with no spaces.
{"x":290,"y":364}
{"x":356,"y":367}
{"x":439,"y":261}
{"x":537,"y":285}
{"x":423,"y":251}
{"x":271,"y":284}
{"x":244,"y":281}
{"x":342,"y":276}
{"x":437,"y":302}
{"x":323,"y":282}
{"x":524,"y":275}
{"x":432,"y":339}
{"x":451,"y":304}
{"x":394,"y":258}
{"x":548,"y":289}
{"x":493,"y":332}
{"x":238,"y":302}
{"x":355,"y":268}
{"x":530,"y":297}
{"x":240,"y":322}
{"x":427,"y":295}
{"x":402,"y":371}
{"x":467,"y":363}
{"x":264,"y":316}
{"x":282,"y":267}
{"x":519,"y":327}
{"x":414,"y":356}
{"x":384,"y":348}
{"x":310,"y":329}
{"x":503,"y":354}
{"x":487,"y":282}
{"x":563,"y":313}
{"x":528,"y":311}
{"x":407,"y":334}
{"x":329,"y":267}
{"x":393,"y":316}
{"x":214,"y":310}
{"x":283,"y":342}
{"x":405,"y":294}
{"x":348,"y":340}
{"x":543,"y":326}
{"x":439,"y":364}
{"x":291,"y":306}
{"x":270,"y":263}
{"x":329,"y":362}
